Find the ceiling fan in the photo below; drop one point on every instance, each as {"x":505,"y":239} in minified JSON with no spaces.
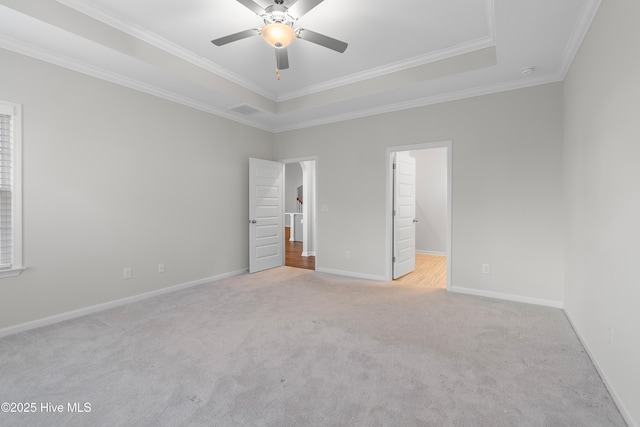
{"x":278,"y":30}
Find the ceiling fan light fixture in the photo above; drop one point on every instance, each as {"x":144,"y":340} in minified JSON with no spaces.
{"x":278,"y":35}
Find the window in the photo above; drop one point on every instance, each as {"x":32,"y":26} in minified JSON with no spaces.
{"x":10,"y":189}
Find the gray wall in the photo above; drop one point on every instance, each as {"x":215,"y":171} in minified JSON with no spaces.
{"x":507,"y":188}
{"x":115,"y":178}
{"x":602,"y":159}
{"x":431,"y":200}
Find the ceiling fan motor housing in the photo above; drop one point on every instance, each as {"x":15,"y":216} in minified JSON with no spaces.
{"x":277,"y":13}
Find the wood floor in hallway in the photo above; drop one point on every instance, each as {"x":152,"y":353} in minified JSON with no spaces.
{"x":293,"y":257}
{"x":430,"y":272}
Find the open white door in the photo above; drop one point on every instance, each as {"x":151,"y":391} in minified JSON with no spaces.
{"x":404,"y":211}
{"x":266,"y":212}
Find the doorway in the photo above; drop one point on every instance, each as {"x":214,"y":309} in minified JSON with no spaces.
{"x":300,"y":213}
{"x":431,"y":215}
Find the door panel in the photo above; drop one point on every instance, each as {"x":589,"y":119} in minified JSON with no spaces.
{"x":266,"y":211}
{"x":404,"y":205}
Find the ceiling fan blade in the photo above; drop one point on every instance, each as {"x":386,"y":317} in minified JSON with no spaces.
{"x":254,"y":7}
{"x":301,"y":7}
{"x":234,"y":37}
{"x":322,"y":40}
{"x":282,"y":58}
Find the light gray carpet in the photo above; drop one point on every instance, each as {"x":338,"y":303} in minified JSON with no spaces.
{"x":290,"y":347}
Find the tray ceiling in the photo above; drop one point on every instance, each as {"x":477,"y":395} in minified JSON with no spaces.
{"x":401,"y":54}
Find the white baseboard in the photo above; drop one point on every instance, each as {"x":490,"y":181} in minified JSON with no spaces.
{"x":507,"y":297}
{"x":310,"y":253}
{"x":621,"y":407}
{"x":431,"y":253}
{"x":351,"y":274}
{"x":10,"y":330}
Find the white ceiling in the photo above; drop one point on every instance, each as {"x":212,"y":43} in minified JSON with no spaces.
{"x":401,"y":54}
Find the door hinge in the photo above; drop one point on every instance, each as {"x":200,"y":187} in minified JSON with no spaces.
{"x":394,"y":259}
{"x":394,"y":166}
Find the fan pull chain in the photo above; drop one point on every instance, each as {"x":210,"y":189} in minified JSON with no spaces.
{"x":277,"y":65}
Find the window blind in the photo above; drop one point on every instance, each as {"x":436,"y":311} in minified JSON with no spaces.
{"x":6,"y":191}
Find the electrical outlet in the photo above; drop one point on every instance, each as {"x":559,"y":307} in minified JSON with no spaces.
{"x":126,"y":273}
{"x":161,"y":267}
{"x":347,"y":254}
{"x":486,"y":269}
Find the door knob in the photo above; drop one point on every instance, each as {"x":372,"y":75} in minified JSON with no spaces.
{"x":415,"y":220}
{"x":252,"y":221}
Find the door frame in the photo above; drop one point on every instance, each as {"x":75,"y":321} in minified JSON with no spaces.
{"x":389,"y":205}
{"x":314,"y":236}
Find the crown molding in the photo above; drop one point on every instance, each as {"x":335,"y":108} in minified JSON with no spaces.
{"x":578,"y":33}
{"x":81,"y":67}
{"x":395,"y":67}
{"x":426,"y":101}
{"x":459,"y":49}
{"x":164,"y":44}
{"x":74,"y":65}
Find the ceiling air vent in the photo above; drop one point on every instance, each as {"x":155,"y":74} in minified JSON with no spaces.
{"x":245,"y":109}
